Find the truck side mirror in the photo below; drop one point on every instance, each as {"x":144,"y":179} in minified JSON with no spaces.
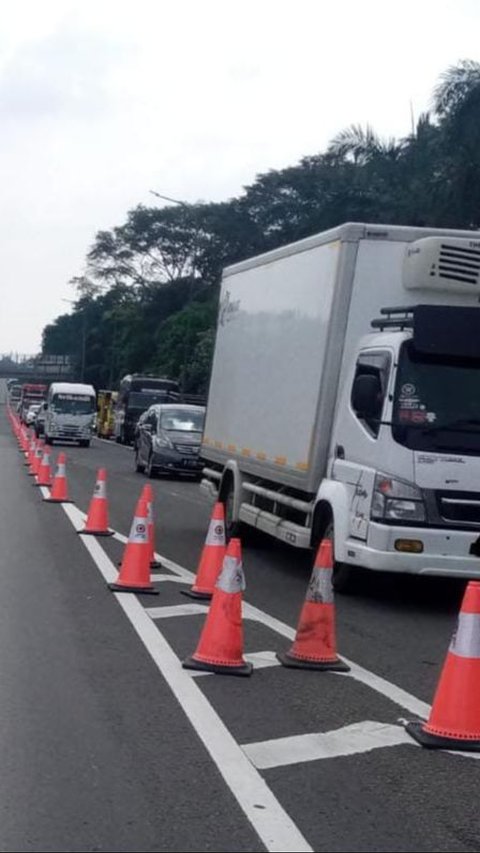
{"x":367,"y":396}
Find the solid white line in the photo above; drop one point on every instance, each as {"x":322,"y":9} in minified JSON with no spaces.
{"x":273,"y":825}
{"x":349,"y":740}
{"x":176,"y":610}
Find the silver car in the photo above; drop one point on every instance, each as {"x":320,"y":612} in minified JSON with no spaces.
{"x":169,"y":438}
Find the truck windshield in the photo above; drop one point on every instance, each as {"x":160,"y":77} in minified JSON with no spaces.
{"x":68,"y":404}
{"x":437,"y":403}
{"x":144,"y":399}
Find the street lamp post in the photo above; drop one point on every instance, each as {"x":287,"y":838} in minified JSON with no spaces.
{"x":83,"y":354}
{"x":191,"y":278}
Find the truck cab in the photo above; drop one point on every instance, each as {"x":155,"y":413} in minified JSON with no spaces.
{"x":70,"y":413}
{"x":404,"y":472}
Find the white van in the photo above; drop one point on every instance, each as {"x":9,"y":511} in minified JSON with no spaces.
{"x":70,"y":412}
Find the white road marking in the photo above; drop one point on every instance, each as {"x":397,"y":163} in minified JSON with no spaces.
{"x":158,"y":578}
{"x":349,"y":740}
{"x":273,"y":825}
{"x":260,"y":660}
{"x":375,"y":682}
{"x":176,"y":610}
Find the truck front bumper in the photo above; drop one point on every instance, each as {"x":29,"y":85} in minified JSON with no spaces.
{"x":445,"y":552}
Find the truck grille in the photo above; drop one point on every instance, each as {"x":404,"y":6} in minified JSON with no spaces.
{"x":459,"y":507}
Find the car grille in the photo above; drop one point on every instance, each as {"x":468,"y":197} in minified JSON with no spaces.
{"x":459,"y":507}
{"x":187,"y":449}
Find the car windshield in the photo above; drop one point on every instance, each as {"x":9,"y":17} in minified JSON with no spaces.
{"x":182,"y":420}
{"x":70,"y":404}
{"x":437,"y":402}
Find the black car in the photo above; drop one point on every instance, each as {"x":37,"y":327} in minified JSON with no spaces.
{"x":168,"y":440}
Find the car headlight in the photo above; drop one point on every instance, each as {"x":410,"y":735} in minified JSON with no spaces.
{"x":396,"y":500}
{"x":163,"y":441}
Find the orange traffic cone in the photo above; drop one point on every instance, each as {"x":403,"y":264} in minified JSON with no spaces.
{"x":212,"y":556}
{"x":59,"y":490}
{"x":97,"y":517}
{"x":44,"y":476}
{"x":31,"y":452}
{"x":220,"y":648}
{"x":454,"y":721}
{"x":314,"y":646}
{"x":134,"y":575}
{"x":37,"y":460}
{"x":147,"y":493}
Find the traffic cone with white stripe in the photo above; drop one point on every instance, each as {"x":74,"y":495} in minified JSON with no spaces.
{"x":220,"y":648}
{"x":134,"y":575}
{"x":147,"y":493}
{"x":314,"y":646}
{"x":37,"y":459}
{"x":211,"y":560}
{"x":59,"y":490}
{"x":97,"y":517}
{"x":44,"y":476}
{"x":454,"y":721}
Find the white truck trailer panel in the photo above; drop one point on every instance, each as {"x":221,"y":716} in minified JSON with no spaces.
{"x":287,"y":321}
{"x":270,"y":359}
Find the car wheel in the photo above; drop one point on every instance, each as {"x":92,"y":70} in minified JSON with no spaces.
{"x":139,"y":466}
{"x":150,"y":470}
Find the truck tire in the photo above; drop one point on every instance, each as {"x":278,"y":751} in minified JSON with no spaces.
{"x":48,"y":440}
{"x":343,"y":576}
{"x":249,"y":535}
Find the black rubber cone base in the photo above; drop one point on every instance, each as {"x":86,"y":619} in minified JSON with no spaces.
{"x":155,"y":564}
{"x":142,"y":590}
{"x":429,"y":741}
{"x":202,"y":596}
{"x":241,"y":669}
{"x":58,"y":500}
{"x":95,"y":532}
{"x":296,"y":663}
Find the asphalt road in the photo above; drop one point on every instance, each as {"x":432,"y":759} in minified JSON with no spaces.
{"x":107,"y":744}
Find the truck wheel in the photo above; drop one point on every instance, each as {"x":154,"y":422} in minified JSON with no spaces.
{"x":344,"y":576}
{"x":248,"y":534}
{"x":48,"y":440}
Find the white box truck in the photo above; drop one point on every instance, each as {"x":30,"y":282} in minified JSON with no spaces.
{"x":345,"y":398}
{"x":70,"y":413}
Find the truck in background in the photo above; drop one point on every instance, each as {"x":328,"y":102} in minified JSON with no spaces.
{"x":70,"y":413}
{"x":31,"y":393}
{"x":105,"y":423}
{"x":136,"y":394}
{"x":344,"y":398}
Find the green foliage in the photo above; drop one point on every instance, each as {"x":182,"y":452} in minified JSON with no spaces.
{"x":149,"y":296}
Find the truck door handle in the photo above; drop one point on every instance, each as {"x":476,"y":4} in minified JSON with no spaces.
{"x":340,"y":451}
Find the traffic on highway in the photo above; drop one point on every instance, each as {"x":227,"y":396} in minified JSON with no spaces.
{"x":126,"y":616}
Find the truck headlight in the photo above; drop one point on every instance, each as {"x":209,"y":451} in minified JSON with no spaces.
{"x":396,"y":500}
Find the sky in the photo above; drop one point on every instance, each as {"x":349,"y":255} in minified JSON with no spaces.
{"x":102,"y":101}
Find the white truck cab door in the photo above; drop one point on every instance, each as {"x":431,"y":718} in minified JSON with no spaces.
{"x":357,"y":453}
